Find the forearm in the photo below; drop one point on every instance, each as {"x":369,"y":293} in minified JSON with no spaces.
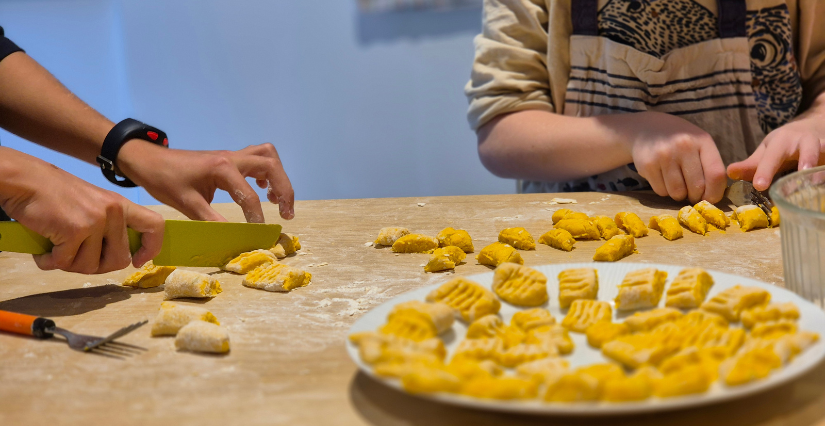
{"x":539,"y":145}
{"x":36,"y":106}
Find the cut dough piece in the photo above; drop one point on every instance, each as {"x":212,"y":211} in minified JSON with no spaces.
{"x":559,"y":239}
{"x":388,"y":236}
{"x":532,"y":318}
{"x":667,"y":225}
{"x":470,"y":370}
{"x":584,"y":313}
{"x":631,"y":223}
{"x":285,"y":246}
{"x":149,"y":276}
{"x":486,"y":327}
{"x":415,"y":243}
{"x":553,"y":337}
{"x":580,"y":229}
{"x":690,"y":380}
{"x":689,"y":288}
{"x":691,"y":356}
{"x":712,"y":214}
{"x":518,"y":238}
{"x":250,"y":260}
{"x":578,"y":283}
{"x":202,"y":336}
{"x":497,"y":253}
{"x":181,"y":283}
{"x":648,"y":320}
{"x":691,"y":219}
{"x":775,"y":217}
{"x":636,"y":350}
{"x":719,"y":342}
{"x":545,"y":370}
{"x":567,"y":214}
{"x":456,"y":237}
{"x":755,"y":361}
{"x":605,"y":331}
{"x":445,"y":258}
{"x":773,"y":329}
{"x":524,"y":352}
{"x":520,"y":285}
{"x":377,"y":348}
{"x":770,"y":312}
{"x":430,"y":380}
{"x":418,"y":321}
{"x":172,"y":317}
{"x":615,"y":249}
{"x":501,"y":388}
{"x":469,"y":300}
{"x":583,"y":384}
{"x":750,"y":217}
{"x":640,"y":289}
{"x":607,"y":226}
{"x":277,"y":277}
{"x":702,"y":319}
{"x":636,"y":387}
{"x":731,"y":302}
{"x":479,"y":349}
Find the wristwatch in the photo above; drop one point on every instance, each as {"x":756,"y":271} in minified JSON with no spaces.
{"x":123,"y":132}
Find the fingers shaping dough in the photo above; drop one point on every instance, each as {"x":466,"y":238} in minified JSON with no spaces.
{"x":497,"y":253}
{"x":615,"y":249}
{"x":667,"y":225}
{"x":172,"y":317}
{"x":575,"y":284}
{"x":631,"y":223}
{"x":520,"y":285}
{"x":202,"y":336}
{"x":181,"y":283}
{"x":277,"y":277}
{"x":415,"y":243}
{"x":559,"y":239}
{"x":518,"y":238}
{"x":456,"y":237}
{"x":388,"y":236}
{"x":149,"y":276}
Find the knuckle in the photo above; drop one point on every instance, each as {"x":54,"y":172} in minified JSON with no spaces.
{"x":220,"y":162}
{"x":269,"y":148}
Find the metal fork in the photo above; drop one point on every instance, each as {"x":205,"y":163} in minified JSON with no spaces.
{"x":742,"y":192}
{"x":45,"y":328}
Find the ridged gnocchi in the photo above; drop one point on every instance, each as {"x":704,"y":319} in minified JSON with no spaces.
{"x":469,"y":300}
{"x":689,"y":289}
{"x":577,"y":283}
{"x":583,"y":313}
{"x":520,"y":285}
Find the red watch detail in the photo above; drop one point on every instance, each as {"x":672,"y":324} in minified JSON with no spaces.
{"x":152,"y":135}
{"x":165,"y":142}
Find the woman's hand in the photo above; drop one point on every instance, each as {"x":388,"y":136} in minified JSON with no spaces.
{"x":799,"y":144}
{"x":679,"y":159}
{"x":187,"y":180}
{"x":86,"y":224}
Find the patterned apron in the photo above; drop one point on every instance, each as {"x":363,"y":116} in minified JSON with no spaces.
{"x":707,"y":83}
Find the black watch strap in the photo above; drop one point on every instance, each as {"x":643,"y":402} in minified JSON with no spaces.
{"x":123,"y":132}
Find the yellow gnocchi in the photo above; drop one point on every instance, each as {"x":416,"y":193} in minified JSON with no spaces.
{"x":605,"y":331}
{"x":468,"y":299}
{"x":444,"y":258}
{"x":248,"y":261}
{"x":689,"y":288}
{"x":731,"y":302}
{"x":692,"y":220}
{"x":518,"y":238}
{"x":615,"y":249}
{"x":641,"y":288}
{"x":577,"y":283}
{"x":501,"y":388}
{"x":559,"y":239}
{"x":418,"y":321}
{"x":388,"y":236}
{"x":497,"y":253}
{"x":648,"y":320}
{"x":561,"y":214}
{"x":415,"y":243}
{"x":769,"y":312}
{"x":580,"y":229}
{"x":667,"y":225}
{"x":583,"y":313}
{"x":456,"y":237}
{"x":486,"y":327}
{"x":712,"y":214}
{"x":172,"y":317}
{"x":750,"y":217}
{"x":181,"y":283}
{"x":277,"y":277}
{"x":286,"y":245}
{"x":631,"y":223}
{"x":202,"y":336}
{"x":607,"y":226}
{"x":530,"y":319}
{"x":520,"y":285}
{"x":553,"y":337}
{"x":148,"y":276}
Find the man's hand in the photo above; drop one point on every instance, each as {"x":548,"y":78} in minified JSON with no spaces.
{"x":800,"y":144}
{"x":187,"y":180}
{"x":86,"y":224}
{"x":679,"y":159}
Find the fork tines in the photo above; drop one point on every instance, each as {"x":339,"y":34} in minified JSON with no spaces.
{"x":117,"y":347}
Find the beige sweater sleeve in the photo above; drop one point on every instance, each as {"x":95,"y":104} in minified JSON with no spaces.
{"x":811,"y":50}
{"x":510,"y":68}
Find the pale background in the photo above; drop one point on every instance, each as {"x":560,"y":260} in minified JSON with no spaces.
{"x":359,"y":105}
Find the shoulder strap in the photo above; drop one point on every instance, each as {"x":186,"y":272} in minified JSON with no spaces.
{"x":584,"y":14}
{"x":732,"y":14}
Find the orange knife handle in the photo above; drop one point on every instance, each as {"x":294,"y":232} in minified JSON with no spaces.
{"x":29,"y":325}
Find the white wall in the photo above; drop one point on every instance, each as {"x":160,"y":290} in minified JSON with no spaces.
{"x":358,"y":105}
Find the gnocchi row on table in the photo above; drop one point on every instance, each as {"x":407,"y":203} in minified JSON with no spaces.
{"x":680,"y":349}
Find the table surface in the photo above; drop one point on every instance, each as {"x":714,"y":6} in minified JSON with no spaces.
{"x":288,"y":362}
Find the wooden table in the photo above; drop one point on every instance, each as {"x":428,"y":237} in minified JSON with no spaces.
{"x":288,"y":363}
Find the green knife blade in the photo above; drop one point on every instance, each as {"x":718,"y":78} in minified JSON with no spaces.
{"x":185,"y":242}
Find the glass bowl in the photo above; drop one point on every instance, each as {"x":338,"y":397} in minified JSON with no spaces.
{"x":800,"y":198}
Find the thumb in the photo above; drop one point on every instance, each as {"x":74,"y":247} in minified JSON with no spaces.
{"x":745,"y":169}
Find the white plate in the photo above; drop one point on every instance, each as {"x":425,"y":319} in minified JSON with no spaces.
{"x":610,"y":275}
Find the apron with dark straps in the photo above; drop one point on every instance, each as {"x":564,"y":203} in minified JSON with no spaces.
{"x":708,"y":82}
